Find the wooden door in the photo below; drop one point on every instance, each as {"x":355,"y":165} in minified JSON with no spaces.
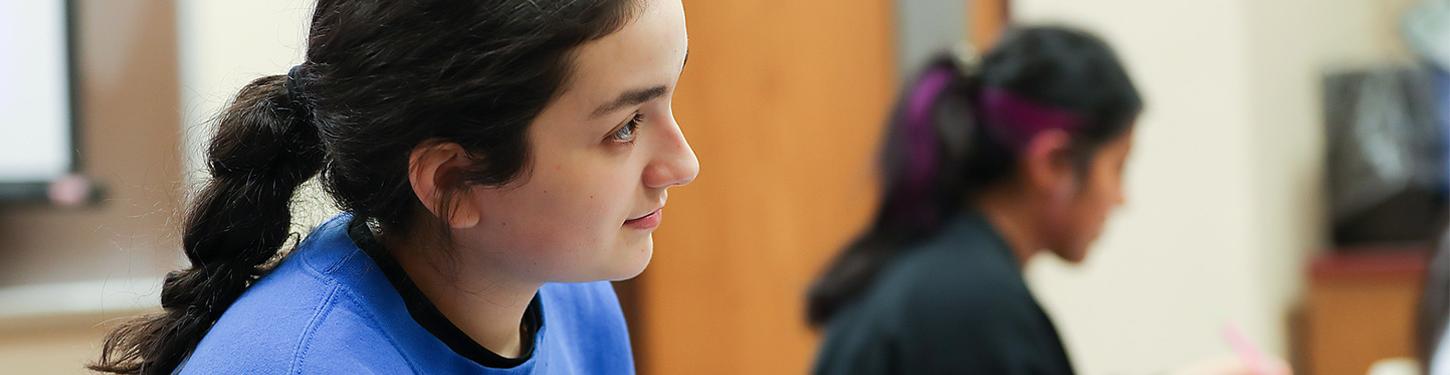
{"x":783,"y":103}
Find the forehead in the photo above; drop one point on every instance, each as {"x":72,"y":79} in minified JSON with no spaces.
{"x":649,"y":50}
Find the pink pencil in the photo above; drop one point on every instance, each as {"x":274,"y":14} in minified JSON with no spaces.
{"x":1246,"y":350}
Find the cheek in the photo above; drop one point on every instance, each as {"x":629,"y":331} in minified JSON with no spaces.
{"x":556,"y":224}
{"x":1090,"y":213}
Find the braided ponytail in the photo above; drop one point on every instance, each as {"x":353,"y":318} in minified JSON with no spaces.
{"x":265,"y":147}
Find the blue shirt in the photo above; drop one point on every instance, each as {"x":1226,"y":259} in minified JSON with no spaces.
{"x":328,"y":309}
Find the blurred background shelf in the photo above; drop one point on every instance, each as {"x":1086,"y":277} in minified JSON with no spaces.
{"x":1360,"y":309}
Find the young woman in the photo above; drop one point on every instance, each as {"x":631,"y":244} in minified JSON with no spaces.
{"x":495,"y":161}
{"x":985,"y":165}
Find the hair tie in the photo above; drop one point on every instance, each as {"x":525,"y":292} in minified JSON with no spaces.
{"x":294,"y":90}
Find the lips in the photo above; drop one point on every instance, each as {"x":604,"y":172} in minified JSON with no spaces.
{"x":645,"y":215}
{"x":647,"y":221}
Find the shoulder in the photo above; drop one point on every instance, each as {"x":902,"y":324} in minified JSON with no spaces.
{"x":958,"y":275}
{"x":315,"y":311}
{"x":943,"y":307}
{"x":962,"y":282}
{"x":326,"y":330}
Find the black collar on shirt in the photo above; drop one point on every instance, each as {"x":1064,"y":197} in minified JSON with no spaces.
{"x":427,"y":314}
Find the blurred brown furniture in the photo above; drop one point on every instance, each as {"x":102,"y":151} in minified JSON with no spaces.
{"x":986,"y":19}
{"x":130,"y":126}
{"x":783,"y":102}
{"x":129,"y":130}
{"x":1360,"y":309}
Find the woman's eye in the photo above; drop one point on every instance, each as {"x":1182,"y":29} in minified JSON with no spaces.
{"x":626,"y":133}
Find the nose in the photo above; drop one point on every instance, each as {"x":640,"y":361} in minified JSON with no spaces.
{"x":674,"y":163}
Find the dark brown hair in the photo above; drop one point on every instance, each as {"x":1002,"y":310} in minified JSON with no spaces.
{"x":381,"y":77}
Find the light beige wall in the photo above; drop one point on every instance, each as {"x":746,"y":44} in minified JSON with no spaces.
{"x":1225,"y":184}
{"x":223,"y":46}
{"x":1289,"y":60}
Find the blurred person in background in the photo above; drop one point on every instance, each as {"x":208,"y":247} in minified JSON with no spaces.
{"x":985,"y":165}
{"x":495,"y":160}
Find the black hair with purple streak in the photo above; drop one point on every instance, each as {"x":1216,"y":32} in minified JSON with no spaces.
{"x":959,"y":129}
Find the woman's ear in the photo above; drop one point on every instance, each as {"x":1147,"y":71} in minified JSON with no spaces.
{"x":436,"y":170}
{"x":1047,"y":164}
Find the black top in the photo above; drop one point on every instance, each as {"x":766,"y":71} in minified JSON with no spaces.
{"x":953,"y":304}
{"x":427,"y":314}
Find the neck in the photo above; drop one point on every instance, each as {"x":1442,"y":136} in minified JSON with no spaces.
{"x":1007,"y":212}
{"x":485,"y":304}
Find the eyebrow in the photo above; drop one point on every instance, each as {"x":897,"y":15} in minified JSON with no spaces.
{"x":630,"y":98}
{"x":635,"y":97}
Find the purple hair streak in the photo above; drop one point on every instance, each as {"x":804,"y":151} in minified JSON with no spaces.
{"x":1015,"y":120}
{"x":921,"y":140}
{"x":921,"y":133}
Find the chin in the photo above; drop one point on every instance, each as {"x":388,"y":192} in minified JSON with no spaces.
{"x":1075,"y":256}
{"x":632,"y":263}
